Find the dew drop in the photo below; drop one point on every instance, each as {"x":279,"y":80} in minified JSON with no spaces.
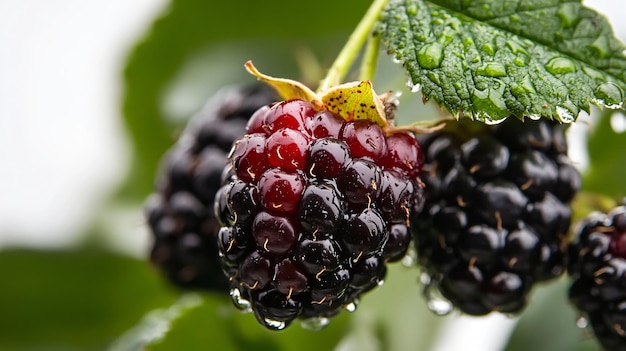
{"x":430,"y":55}
{"x":489,"y":105}
{"x":488,"y":48}
{"x":565,"y":115}
{"x":240,"y":303}
{"x":396,"y":60}
{"x":435,"y":302}
{"x":560,"y":65}
{"x":568,"y":14}
{"x":609,"y":95}
{"x":274,"y":324}
{"x":351,"y":307}
{"x":315,"y":323}
{"x":534,"y":117}
{"x":492,"y":69}
{"x":380,"y":282}
{"x":582,"y":322}
{"x":413,"y":86}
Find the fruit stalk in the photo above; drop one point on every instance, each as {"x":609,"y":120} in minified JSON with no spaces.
{"x":350,"y":50}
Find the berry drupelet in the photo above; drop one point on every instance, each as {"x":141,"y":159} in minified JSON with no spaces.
{"x":312,"y":209}
{"x":180,"y":212}
{"x":597,"y":265}
{"x":495,"y":216}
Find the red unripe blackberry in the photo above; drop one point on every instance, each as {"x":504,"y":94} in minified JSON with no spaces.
{"x":180,"y":213}
{"x":496,"y":211}
{"x":333,"y":207}
{"x":597,"y":264}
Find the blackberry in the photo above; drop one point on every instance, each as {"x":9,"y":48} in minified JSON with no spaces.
{"x":312,"y":209}
{"x":495,"y":216}
{"x":180,"y":212}
{"x":597,"y":264}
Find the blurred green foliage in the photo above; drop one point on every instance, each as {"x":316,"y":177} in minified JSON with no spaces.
{"x":85,"y":298}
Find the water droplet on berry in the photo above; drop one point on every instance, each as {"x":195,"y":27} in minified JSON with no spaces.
{"x":560,"y":65}
{"x":425,"y":278}
{"x":380,"y":282}
{"x":315,"y":323}
{"x":240,"y":303}
{"x":410,"y":258}
{"x":435,"y":301}
{"x":351,"y":307}
{"x":430,"y":55}
{"x":274,"y":324}
{"x":582,"y":322}
{"x":609,"y":95}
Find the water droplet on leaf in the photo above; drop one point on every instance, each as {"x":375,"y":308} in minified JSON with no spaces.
{"x":430,"y":56}
{"x":492,"y":69}
{"x":489,"y":105}
{"x":568,"y":14}
{"x":609,"y":95}
{"x":560,"y":65}
{"x":566,"y":114}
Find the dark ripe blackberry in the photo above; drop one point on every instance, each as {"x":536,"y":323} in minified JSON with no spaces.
{"x":597,"y":265}
{"x":321,"y":207}
{"x":495,"y":215}
{"x":180,"y":215}
{"x":334,"y":199}
{"x":360,"y":181}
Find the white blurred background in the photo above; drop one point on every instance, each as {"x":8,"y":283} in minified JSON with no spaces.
{"x":62,"y":145}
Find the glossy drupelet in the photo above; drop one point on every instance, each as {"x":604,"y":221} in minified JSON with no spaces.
{"x":496,"y":212}
{"x":180,"y":212}
{"x":598,"y":267}
{"x":312,"y":210}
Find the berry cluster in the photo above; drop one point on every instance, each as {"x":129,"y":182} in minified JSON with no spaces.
{"x":180,"y":213}
{"x":312,"y":209}
{"x":495,"y":216}
{"x":598,"y":267}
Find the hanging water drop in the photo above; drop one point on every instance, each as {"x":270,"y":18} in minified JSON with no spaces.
{"x":315,"y":323}
{"x":240,"y":303}
{"x":415,"y":87}
{"x":582,"y":322}
{"x":565,"y":115}
{"x":435,"y":301}
{"x":609,"y":95}
{"x":351,"y":307}
{"x":534,"y":117}
{"x":381,"y":282}
{"x":274,"y":324}
{"x":425,"y":278}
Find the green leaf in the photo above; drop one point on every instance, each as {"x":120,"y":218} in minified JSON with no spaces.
{"x":217,"y":325}
{"x":491,"y":59}
{"x":607,"y":169}
{"x":206,"y":36}
{"x":73,"y":300}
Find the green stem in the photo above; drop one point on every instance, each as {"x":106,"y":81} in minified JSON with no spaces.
{"x":349,"y":52}
{"x":368,"y":65}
